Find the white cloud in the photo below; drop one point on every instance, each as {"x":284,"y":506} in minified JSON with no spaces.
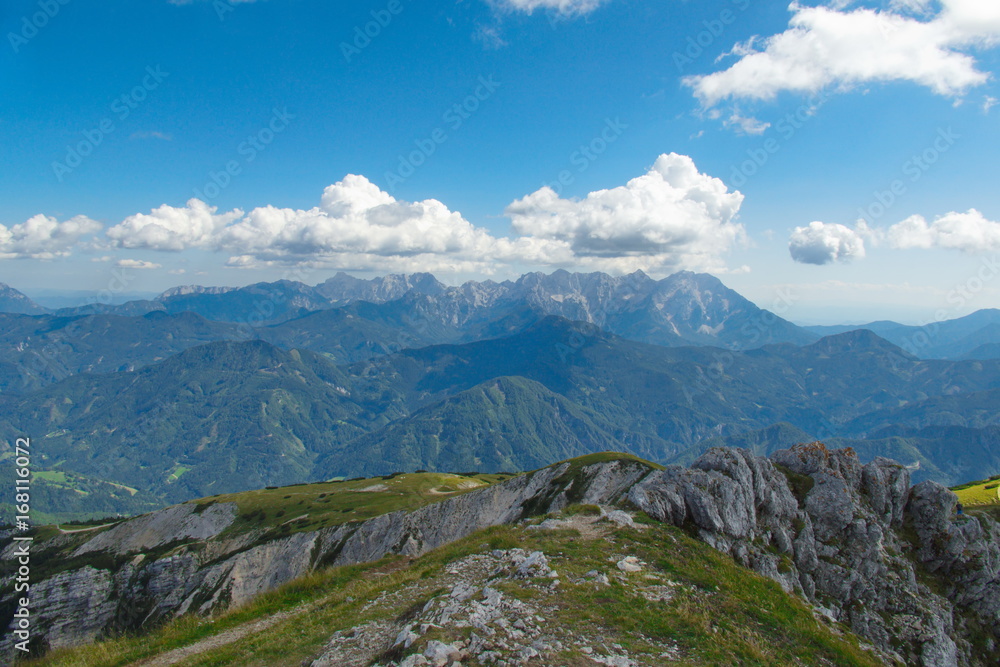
{"x":673,"y":216}
{"x":44,"y":237}
{"x":136,"y":264}
{"x":823,"y":243}
{"x":824,"y":47}
{"x":670,"y":218}
{"x":746,"y":125}
{"x":970,"y":232}
{"x":563,"y":7}
{"x":172,"y":228}
{"x":355,"y":217}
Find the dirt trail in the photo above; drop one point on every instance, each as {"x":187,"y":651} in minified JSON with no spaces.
{"x":216,"y":641}
{"x":84,"y":530}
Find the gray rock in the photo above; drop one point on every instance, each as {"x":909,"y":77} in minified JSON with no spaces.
{"x":149,"y":573}
{"x":842,"y":543}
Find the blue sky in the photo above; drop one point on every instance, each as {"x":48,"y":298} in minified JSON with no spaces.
{"x":741,"y":138}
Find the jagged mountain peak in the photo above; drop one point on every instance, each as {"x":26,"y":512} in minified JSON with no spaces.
{"x":342,"y":287}
{"x":16,"y":302}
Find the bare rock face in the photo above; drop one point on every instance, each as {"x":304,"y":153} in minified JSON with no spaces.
{"x":79,"y":605}
{"x":894,"y":563}
{"x":167,"y":563}
{"x":172,"y":524}
{"x":853,"y":539}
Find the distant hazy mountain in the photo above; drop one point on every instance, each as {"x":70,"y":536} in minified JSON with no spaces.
{"x":12,"y":301}
{"x":973,"y":336}
{"x":987,"y":351}
{"x":239,"y":415}
{"x":214,"y":418}
{"x":682,"y":309}
{"x":343,"y":289}
{"x":128,"y":309}
{"x":38,"y":350}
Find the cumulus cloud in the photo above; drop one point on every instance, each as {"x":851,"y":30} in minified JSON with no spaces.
{"x":823,"y":243}
{"x":824,"y":47}
{"x":969,"y":232}
{"x":171,"y":228}
{"x":44,"y":237}
{"x":672,"y":215}
{"x":356,"y":217}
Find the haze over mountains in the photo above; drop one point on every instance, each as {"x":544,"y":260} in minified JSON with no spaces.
{"x":210,"y":390}
{"x":682,"y":309}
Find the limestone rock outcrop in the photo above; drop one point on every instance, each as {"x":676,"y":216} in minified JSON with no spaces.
{"x":897,"y":565}
{"x":894,"y":563}
{"x":180,"y":559}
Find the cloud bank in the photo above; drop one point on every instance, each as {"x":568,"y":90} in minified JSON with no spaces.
{"x":821,"y":243}
{"x":672,"y":217}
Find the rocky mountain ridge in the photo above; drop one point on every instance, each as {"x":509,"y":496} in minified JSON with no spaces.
{"x":682,"y":309}
{"x":894,"y":563}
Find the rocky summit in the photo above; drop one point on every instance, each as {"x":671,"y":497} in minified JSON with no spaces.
{"x":894,"y":563}
{"x":544,"y":568}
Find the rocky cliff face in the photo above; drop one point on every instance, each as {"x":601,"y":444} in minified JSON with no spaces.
{"x":181,"y":559}
{"x":894,"y":563}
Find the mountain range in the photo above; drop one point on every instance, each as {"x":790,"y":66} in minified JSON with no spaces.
{"x":975,"y":336}
{"x":365,"y":377}
{"x":806,"y":557}
{"x":682,"y":309}
{"x":232,"y":416}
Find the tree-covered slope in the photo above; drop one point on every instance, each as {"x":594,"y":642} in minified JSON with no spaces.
{"x":508,"y":423}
